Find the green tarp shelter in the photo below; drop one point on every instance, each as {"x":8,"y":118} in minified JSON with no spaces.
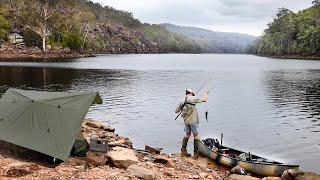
{"x":47,"y":122}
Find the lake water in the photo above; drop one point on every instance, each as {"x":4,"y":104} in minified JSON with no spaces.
{"x":264,"y":106}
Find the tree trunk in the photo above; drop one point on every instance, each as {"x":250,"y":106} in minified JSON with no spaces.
{"x":44,"y":43}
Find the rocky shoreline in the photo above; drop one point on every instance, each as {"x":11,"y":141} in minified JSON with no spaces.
{"x":293,"y":57}
{"x":121,"y":161}
{"x":21,"y":53}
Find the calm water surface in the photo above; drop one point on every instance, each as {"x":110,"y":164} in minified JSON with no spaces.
{"x":265,"y":106}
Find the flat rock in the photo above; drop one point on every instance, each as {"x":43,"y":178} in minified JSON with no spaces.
{"x":92,"y":123}
{"x":96,"y":158}
{"x":153,"y":150}
{"x":164,"y":160}
{"x":242,"y":177}
{"x":141,"y":172}
{"x":122,"y":157}
{"x":120,"y":141}
{"x":98,"y":125}
{"x":108,"y":128}
{"x":271,"y":178}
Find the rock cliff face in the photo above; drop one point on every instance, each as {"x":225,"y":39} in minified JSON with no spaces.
{"x":117,"y":39}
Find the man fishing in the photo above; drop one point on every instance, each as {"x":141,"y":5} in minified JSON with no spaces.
{"x":187,"y":108}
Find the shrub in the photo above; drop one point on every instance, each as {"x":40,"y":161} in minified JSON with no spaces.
{"x":72,"y":40}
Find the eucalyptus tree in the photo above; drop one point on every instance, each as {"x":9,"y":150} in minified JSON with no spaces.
{"x":41,"y":16}
{"x":316,"y":3}
{"x":292,"y":33}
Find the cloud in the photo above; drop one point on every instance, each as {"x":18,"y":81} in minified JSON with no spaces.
{"x":245,"y":16}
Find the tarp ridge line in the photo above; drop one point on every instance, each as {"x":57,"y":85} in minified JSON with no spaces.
{"x":55,"y":106}
{"x":22,"y":95}
{"x":67,"y":96}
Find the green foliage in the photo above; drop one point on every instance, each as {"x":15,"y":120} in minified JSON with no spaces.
{"x":316,"y":3}
{"x":31,"y":38}
{"x":4,"y":23}
{"x":168,"y":41}
{"x":66,"y":23}
{"x":212,"y":41}
{"x":72,"y":40}
{"x":4,"y":27}
{"x":291,"y":34}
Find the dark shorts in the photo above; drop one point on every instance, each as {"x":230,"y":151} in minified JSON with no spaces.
{"x":191,"y":128}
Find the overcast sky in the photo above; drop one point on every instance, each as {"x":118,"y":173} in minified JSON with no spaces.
{"x":244,"y":16}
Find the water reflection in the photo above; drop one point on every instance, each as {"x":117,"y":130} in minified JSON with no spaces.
{"x":60,"y":79}
{"x":36,"y":78}
{"x":295,"y":94}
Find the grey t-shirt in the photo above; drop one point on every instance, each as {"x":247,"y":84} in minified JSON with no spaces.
{"x":189,"y":111}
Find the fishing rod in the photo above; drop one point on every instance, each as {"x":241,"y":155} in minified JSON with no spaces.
{"x":203,"y":85}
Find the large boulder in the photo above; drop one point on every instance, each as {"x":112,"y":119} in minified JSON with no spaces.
{"x":142,"y":172}
{"x":122,"y":157}
{"x":242,"y":177}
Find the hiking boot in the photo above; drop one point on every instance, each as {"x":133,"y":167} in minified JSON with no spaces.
{"x":195,"y":156}
{"x":185,"y":154}
{"x":196,"y":149}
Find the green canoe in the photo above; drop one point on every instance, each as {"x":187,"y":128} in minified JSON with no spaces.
{"x":255,"y":165}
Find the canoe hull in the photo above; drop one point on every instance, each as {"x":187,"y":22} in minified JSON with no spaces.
{"x":262,"y":169}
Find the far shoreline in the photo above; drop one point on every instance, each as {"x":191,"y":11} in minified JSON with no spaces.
{"x":60,"y":55}
{"x":296,"y":57}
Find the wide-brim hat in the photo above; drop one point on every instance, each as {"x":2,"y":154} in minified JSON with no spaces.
{"x":190,"y":91}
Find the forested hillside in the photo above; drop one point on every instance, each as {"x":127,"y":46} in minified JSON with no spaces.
{"x":213,"y":41}
{"x":84,"y":25}
{"x":291,"y":34}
